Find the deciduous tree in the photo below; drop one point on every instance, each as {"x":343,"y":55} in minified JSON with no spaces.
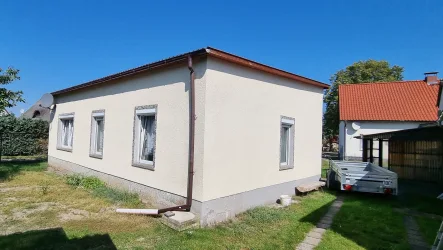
{"x":359,"y":72}
{"x":9,"y":98}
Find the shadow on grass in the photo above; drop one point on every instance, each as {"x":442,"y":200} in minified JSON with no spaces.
{"x":420,"y":197}
{"x":9,"y":169}
{"x":367,"y":220}
{"x":372,"y":221}
{"x":54,"y":238}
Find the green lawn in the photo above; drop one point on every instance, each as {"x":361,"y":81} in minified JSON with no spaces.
{"x":366,"y":222}
{"x":39,"y":210}
{"x":324,"y":167}
{"x":428,"y":228}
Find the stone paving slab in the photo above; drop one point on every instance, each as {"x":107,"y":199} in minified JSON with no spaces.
{"x":304,"y":246}
{"x":415,"y":238}
{"x":314,"y":237}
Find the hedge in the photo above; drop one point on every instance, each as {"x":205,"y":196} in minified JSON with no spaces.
{"x":23,"y":136}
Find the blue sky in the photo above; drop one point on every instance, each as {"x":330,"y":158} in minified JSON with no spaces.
{"x":57,"y":44}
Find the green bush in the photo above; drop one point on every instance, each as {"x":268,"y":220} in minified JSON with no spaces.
{"x":74,"y":180}
{"x":23,"y":136}
{"x":92,"y":183}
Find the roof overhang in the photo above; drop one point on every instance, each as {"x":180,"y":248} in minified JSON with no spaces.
{"x":427,"y":133}
{"x":209,"y":51}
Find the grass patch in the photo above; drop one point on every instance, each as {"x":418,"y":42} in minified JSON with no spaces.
{"x":82,"y":215}
{"x":25,"y":157}
{"x":10,"y":169}
{"x":420,"y":197}
{"x":259,"y":228}
{"x":324,"y":167}
{"x":100,"y":189}
{"x":366,"y":222}
{"x":428,"y":228}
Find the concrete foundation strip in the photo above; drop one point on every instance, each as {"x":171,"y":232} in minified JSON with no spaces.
{"x":315,"y":235}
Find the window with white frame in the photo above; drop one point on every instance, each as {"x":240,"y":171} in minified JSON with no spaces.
{"x":145,"y":136}
{"x":65,"y":132}
{"x":287,"y":142}
{"x":97,"y":133}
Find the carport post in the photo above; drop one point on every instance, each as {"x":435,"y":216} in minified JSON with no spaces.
{"x":380,"y":152}
{"x":365,"y":150}
{"x":371,"y":150}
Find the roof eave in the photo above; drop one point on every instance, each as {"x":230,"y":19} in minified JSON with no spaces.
{"x":201,"y":52}
{"x":262,"y":67}
{"x":144,"y":68}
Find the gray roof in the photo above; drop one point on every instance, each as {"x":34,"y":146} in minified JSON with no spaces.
{"x":37,"y":112}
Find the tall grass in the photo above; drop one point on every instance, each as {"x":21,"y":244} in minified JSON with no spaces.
{"x":100,"y":189}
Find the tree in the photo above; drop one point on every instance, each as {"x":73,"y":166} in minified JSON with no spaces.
{"x":8,"y":98}
{"x":359,"y":72}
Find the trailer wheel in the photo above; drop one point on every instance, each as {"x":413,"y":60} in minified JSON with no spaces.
{"x":331,"y":183}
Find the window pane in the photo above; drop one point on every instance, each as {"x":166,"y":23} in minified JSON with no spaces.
{"x":67,"y":132}
{"x":147,"y":137}
{"x":284,"y":144}
{"x":99,"y":135}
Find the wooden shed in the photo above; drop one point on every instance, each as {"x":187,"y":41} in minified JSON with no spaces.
{"x":414,"y":154}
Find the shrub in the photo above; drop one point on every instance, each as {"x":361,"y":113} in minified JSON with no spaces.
{"x":23,"y":136}
{"x":74,"y":180}
{"x":92,"y":182}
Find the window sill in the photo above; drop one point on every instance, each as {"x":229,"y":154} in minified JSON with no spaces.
{"x":64,"y":149}
{"x":143,"y":165}
{"x":286,"y":167}
{"x":92,"y":155}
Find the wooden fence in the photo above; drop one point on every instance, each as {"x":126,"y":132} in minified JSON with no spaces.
{"x":417,"y":160}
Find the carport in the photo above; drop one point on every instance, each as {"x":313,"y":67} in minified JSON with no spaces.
{"x":415,"y":154}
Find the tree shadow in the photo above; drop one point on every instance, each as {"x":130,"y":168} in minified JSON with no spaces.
{"x":10,"y":169}
{"x":54,"y":238}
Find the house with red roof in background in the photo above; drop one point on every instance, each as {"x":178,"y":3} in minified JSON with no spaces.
{"x":372,"y":108}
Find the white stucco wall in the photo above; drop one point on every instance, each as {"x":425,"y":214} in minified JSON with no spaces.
{"x":242,"y":129}
{"x":237,"y":145}
{"x":352,"y":146}
{"x":168,"y":89}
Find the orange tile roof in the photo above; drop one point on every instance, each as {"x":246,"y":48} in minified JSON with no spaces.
{"x":388,"y":101}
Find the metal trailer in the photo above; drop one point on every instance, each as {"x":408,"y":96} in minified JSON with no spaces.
{"x":361,"y":177}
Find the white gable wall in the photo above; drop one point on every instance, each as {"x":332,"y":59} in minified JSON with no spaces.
{"x":351,"y":147}
{"x":242,"y":129}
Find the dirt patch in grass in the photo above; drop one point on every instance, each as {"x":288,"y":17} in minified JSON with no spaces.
{"x":74,"y":214}
{"x":23,"y":213}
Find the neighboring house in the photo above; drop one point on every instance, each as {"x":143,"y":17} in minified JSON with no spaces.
{"x":258,"y":131}
{"x":37,"y":112}
{"x":370,"y":108}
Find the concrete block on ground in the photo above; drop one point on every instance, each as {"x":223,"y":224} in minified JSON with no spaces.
{"x":319,"y":230}
{"x":304,"y":246}
{"x":308,"y":187}
{"x":181,"y":221}
{"x":312,"y":241}
{"x":314,"y":234}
